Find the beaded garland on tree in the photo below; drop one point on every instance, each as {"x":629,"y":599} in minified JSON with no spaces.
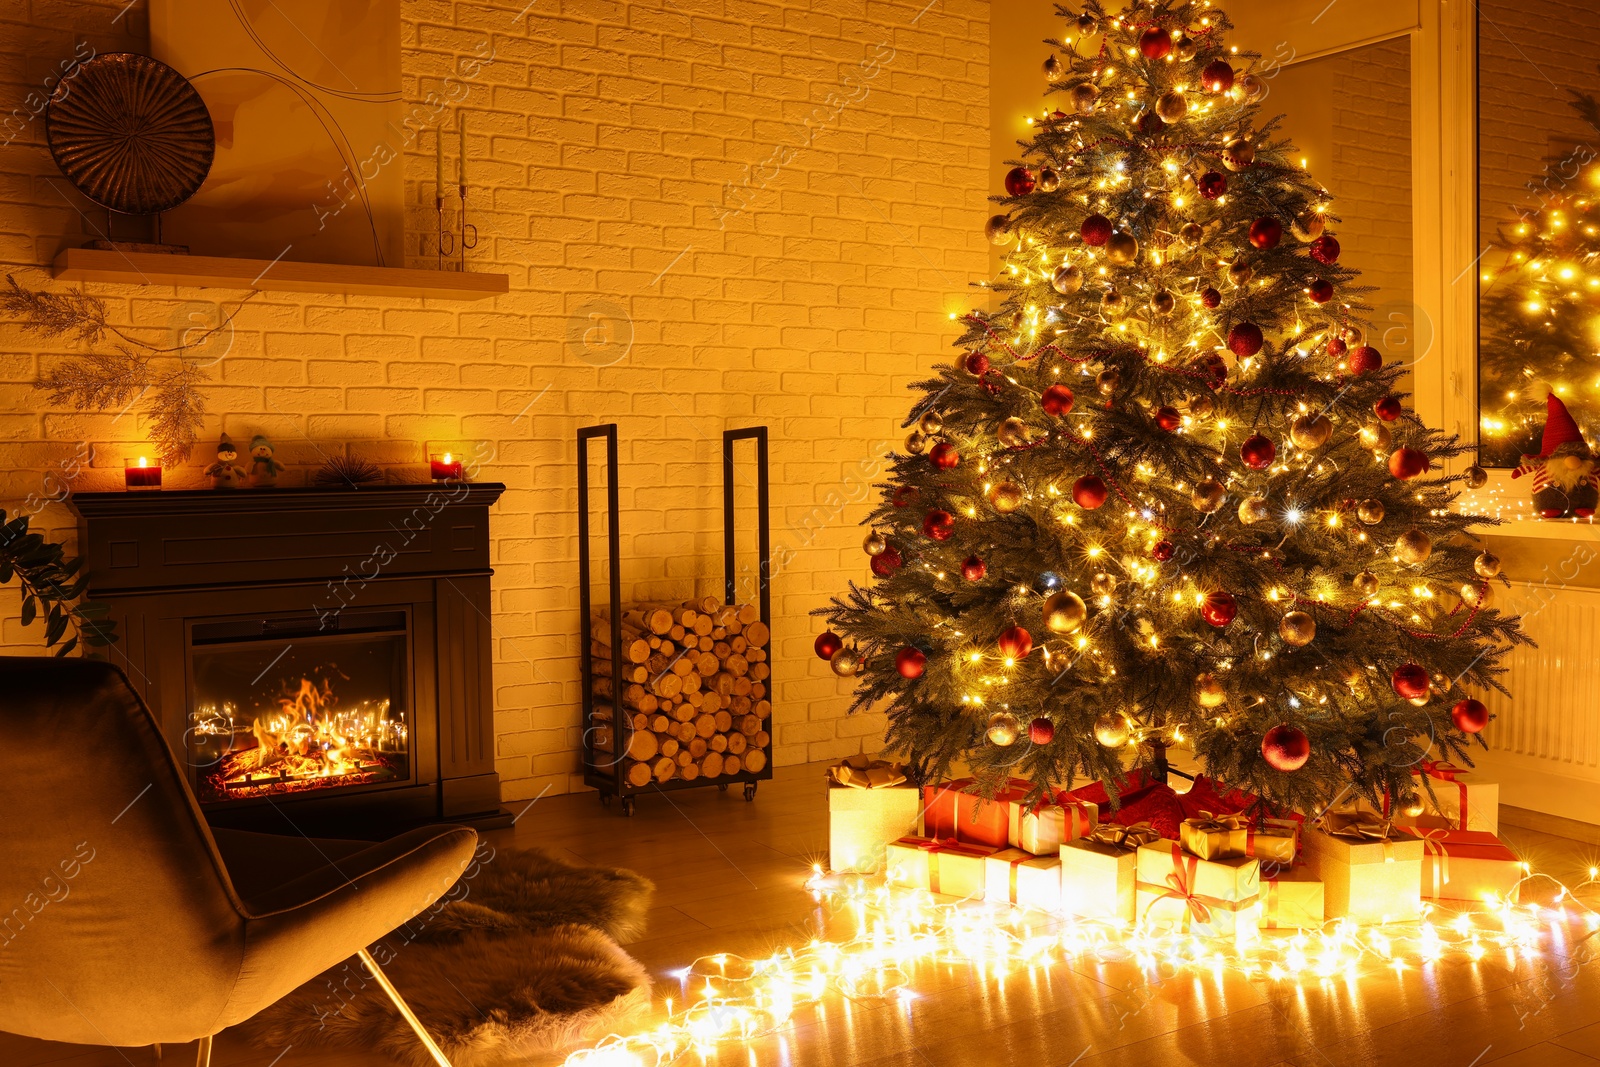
{"x":1175,"y":419}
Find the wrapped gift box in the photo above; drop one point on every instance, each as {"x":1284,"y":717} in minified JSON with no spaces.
{"x":1366,"y":877}
{"x":862,"y":822}
{"x":1043,"y":830}
{"x":1215,"y":837}
{"x":1291,"y":898}
{"x":947,"y":812}
{"x":1022,"y":878}
{"x":1456,"y":790}
{"x":953,"y":868}
{"x":1180,"y":891}
{"x":1099,"y":872}
{"x":1466,"y":866}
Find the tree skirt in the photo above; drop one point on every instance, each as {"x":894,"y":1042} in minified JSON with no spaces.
{"x":517,"y":959}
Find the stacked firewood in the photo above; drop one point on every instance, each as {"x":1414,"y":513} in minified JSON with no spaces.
{"x":693,"y":687}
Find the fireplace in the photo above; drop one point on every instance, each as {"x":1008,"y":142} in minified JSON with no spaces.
{"x":319,"y":659}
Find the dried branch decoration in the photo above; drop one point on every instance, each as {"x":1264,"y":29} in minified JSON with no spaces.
{"x":133,"y":369}
{"x":347,"y":472}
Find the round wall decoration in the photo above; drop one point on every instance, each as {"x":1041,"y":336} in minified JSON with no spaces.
{"x":131,"y":133}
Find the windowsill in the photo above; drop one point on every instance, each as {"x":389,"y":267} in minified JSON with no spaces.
{"x":1512,"y":503}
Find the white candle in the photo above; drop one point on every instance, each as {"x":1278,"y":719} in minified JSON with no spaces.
{"x":461,"y":164}
{"x":438,"y":163}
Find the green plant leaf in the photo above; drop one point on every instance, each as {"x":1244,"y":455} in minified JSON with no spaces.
{"x":30,"y":609}
{"x":67,"y":646}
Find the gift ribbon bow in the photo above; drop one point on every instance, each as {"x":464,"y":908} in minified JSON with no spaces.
{"x":859,"y":772}
{"x":1180,"y":886}
{"x":1445,"y":771}
{"x":1360,"y":825}
{"x":1230,"y":824}
{"x":1433,"y":842}
{"x":1124,"y":838}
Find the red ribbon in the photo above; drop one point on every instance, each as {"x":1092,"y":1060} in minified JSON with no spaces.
{"x":1445,"y":771}
{"x":1180,"y":886}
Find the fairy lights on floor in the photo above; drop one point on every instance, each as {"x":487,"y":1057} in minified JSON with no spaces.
{"x":727,"y":1000}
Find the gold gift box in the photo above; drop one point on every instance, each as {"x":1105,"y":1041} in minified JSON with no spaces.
{"x":1097,"y":880}
{"x":862,"y":822}
{"x":1044,"y":830}
{"x":1454,"y":788}
{"x":949,"y":868}
{"x":1367,"y":880}
{"x":1024,"y":879}
{"x":1292,"y":898}
{"x":1180,"y":891}
{"x":1215,"y":837}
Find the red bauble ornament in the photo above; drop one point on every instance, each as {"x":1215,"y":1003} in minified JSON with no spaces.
{"x":1336,"y":347}
{"x":910,"y":662}
{"x":1096,"y":230}
{"x":1212,"y":185}
{"x":1470,"y":716}
{"x":1219,"y":608}
{"x":1019,"y":181}
{"x":1168,"y":418}
{"x":827,"y":644}
{"x":1266,"y":232}
{"x":1389,"y":408}
{"x":1411,"y":681}
{"x":1210,"y":298}
{"x":1214,"y":367}
{"x":1015,"y":643}
{"x":1258,"y":452}
{"x":1407,"y":463}
{"x":1150,"y":124}
{"x":944,"y":455}
{"x":1325,"y":249}
{"x":1155,"y":44}
{"x":1285,"y":748}
{"x":1365,"y":359}
{"x":1056,"y":400}
{"x":973,"y":569}
{"x":1162,"y":551}
{"x":885,"y":563}
{"x":1217,"y":77}
{"x":1088,"y":492}
{"x":905,"y":496}
{"x":977,"y":364}
{"x":1245,"y":339}
{"x":939,"y":524}
{"x":1041,"y":731}
{"x":1320,"y":291}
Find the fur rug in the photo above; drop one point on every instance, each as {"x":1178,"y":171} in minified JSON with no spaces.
{"x":517,"y":959}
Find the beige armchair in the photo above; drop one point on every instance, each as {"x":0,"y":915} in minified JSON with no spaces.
{"x":120,"y":921}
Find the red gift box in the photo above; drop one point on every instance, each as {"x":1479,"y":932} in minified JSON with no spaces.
{"x":951,"y":814}
{"x":1465,"y":865}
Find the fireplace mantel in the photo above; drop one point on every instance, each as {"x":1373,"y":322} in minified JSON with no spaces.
{"x":307,"y":561}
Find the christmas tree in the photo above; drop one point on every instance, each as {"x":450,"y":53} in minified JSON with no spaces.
{"x":1167,"y":495}
{"x":1540,"y":307}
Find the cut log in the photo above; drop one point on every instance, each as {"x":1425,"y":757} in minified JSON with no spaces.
{"x":740,"y":705}
{"x":759,"y":672}
{"x":677,"y":632}
{"x":757,"y":634}
{"x":689,"y":771}
{"x":684,"y":712}
{"x":640,"y":721}
{"x":732,"y":765}
{"x":718,"y":742}
{"x":741,"y":686}
{"x":758,"y":690}
{"x":749,"y":725}
{"x":697,"y":747}
{"x":682,"y":759}
{"x":656,"y":620}
{"x":761,"y":740}
{"x":724,"y":721}
{"x":737,"y":665}
{"x":706,"y":664}
{"x":755,"y":761}
{"x":738,"y":644}
{"x":669,"y":744}
{"x":749,"y":613}
{"x":667,"y":685}
{"x":664,"y":769}
{"x":763,"y":708}
{"x":643,"y":745}
{"x":737,"y":743}
{"x":711,"y":765}
{"x":705,"y":725}
{"x":658,"y":723}
{"x":638,"y":775}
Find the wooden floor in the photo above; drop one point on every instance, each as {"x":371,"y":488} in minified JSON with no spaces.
{"x":729,"y":879}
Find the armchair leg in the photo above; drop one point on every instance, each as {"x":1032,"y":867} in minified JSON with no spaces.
{"x":203,"y":1058}
{"x":400,"y":1004}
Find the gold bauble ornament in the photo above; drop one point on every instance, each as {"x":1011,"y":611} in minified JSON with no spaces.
{"x":1049,"y":180}
{"x":1114,"y":304}
{"x":1067,"y":280}
{"x":1163,"y":303}
{"x":1297,"y":628}
{"x":1251,"y":87}
{"x":1013,"y":433}
{"x":1252,"y":509}
{"x":1476,"y":477}
{"x":1111,"y":730}
{"x":1185,"y":48}
{"x":1004,"y":729}
{"x":1366,"y":584}
{"x":1413,"y":546}
{"x":931,"y":422}
{"x":1172,"y":106}
{"x":1108,"y":380}
{"x":1084,"y":97}
{"x":916,"y":442}
{"x":1208,"y":691}
{"x":1122,"y":249}
{"x":1477,"y":595}
{"x":1370,"y":512}
{"x":1307,"y":226}
{"x":1208,"y":495}
{"x":1411,"y":807}
{"x":846,"y":662}
{"x":1191,"y":234}
{"x":1055,"y":71}
{"x":1238,"y":154}
{"x":1103,"y":584}
{"x":1005,"y":497}
{"x":1487,"y":565}
{"x":1240,"y":271}
{"x":1201,"y":406}
{"x":1310,"y":431}
{"x":875,"y":544}
{"x":999,"y":230}
{"x":1064,"y":612}
{"x":1376,"y":436}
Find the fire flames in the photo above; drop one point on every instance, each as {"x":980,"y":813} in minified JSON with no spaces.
{"x":310,"y":741}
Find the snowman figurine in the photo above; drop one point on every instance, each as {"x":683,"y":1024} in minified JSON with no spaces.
{"x":263,"y":468}
{"x":225,"y":473}
{"x":1564,"y":479}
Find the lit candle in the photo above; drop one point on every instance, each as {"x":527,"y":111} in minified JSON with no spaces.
{"x":461,"y":162}
{"x":141,"y":474}
{"x":444,"y":467}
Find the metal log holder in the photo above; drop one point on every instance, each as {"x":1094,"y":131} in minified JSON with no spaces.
{"x":603,"y":770}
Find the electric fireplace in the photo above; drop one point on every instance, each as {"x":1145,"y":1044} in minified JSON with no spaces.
{"x":319,"y":659}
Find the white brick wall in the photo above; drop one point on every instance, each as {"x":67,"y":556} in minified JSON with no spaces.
{"x":605,"y":132}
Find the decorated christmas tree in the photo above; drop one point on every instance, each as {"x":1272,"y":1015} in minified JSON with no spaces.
{"x":1167,"y":494}
{"x":1540,"y":307}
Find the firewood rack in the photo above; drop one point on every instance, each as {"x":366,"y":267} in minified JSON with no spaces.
{"x":603,"y":770}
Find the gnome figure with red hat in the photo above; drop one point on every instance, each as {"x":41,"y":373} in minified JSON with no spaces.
{"x":1564,"y":478}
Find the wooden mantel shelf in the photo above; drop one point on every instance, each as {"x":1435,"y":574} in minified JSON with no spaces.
{"x":156,"y":268}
